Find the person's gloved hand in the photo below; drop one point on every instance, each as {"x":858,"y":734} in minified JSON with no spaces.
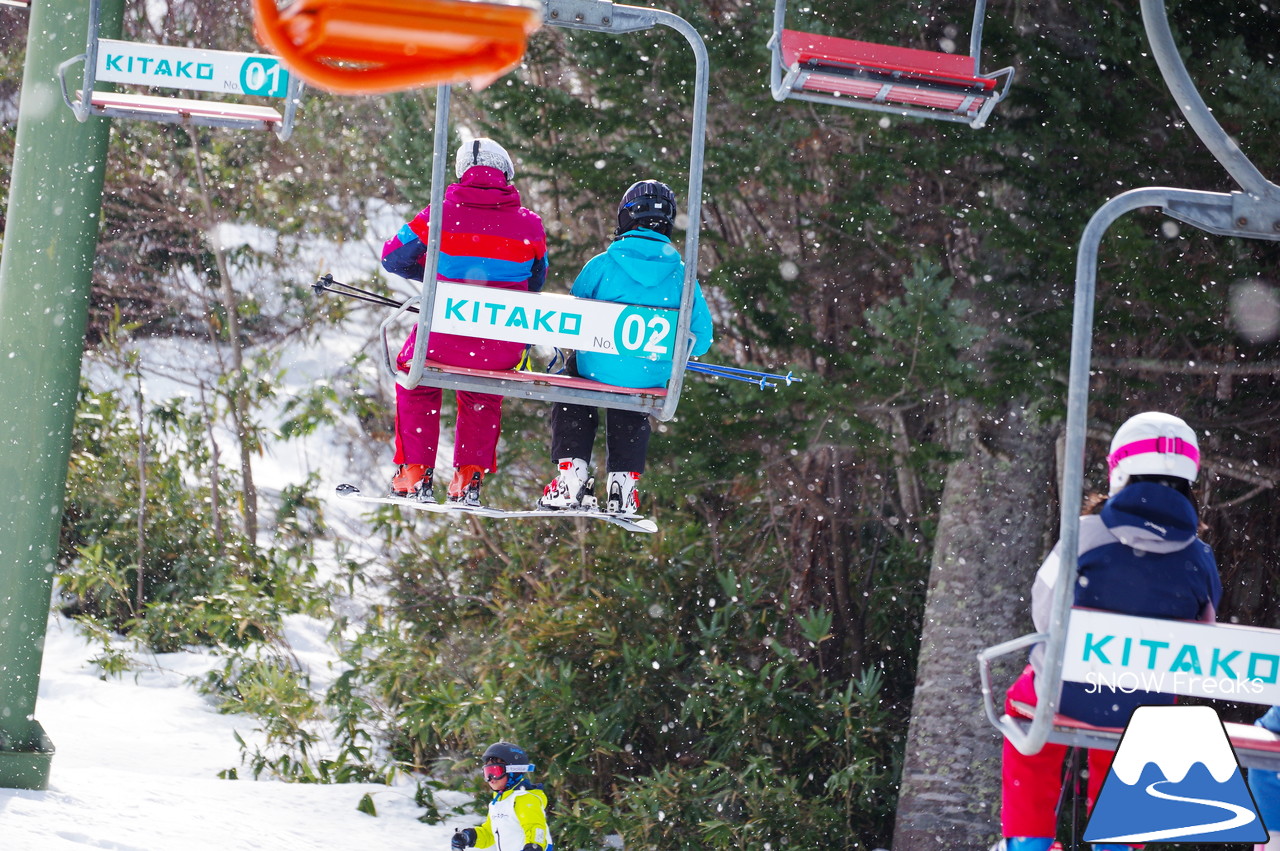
{"x":532,"y":846}
{"x":463,"y":837}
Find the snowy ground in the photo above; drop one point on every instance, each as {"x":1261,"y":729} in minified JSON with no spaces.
{"x":137,"y":763}
{"x":138,"y":757}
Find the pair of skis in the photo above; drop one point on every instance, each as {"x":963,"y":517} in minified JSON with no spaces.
{"x":630,"y":523}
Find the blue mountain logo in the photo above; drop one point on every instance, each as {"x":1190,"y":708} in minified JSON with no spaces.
{"x":1175,"y":778}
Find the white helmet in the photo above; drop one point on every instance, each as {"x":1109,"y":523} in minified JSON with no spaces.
{"x":483,"y":152}
{"x":1153,"y":444}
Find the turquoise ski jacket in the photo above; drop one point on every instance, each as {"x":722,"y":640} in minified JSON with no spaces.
{"x":640,"y":267}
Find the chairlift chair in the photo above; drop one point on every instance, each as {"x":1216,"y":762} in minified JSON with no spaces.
{"x":153,"y":65}
{"x":1253,"y":213}
{"x":1110,"y":648}
{"x":376,"y":46}
{"x":597,"y":16}
{"x":884,"y":78}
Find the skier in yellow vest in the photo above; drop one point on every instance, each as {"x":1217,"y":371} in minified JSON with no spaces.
{"x":518,"y":810}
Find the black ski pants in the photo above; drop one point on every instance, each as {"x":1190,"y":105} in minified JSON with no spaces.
{"x":573,"y":434}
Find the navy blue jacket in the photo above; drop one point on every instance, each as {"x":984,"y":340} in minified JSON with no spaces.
{"x":1139,"y":556}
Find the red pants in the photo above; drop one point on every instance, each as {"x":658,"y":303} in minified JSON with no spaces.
{"x":1032,"y":785}
{"x":418,"y":427}
{"x":479,"y":414}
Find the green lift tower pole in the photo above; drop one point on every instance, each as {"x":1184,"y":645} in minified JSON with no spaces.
{"x":51,"y":229}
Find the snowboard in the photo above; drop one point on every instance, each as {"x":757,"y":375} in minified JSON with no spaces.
{"x":631,"y":524}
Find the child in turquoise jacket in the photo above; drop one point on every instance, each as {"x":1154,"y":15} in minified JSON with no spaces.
{"x":641,"y":267}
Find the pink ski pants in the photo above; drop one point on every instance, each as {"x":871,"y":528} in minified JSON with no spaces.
{"x":479,"y":414}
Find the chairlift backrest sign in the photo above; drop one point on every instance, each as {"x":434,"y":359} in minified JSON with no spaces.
{"x":221,"y":71}
{"x":548,"y":319}
{"x":1222,"y":661}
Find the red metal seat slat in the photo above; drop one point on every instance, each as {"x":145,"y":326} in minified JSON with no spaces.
{"x":924,"y":65}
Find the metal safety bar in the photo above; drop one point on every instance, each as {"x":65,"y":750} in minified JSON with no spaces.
{"x":597,"y":16}
{"x":1251,"y":214}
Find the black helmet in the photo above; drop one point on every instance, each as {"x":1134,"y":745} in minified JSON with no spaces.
{"x":647,"y":203}
{"x":507,"y":754}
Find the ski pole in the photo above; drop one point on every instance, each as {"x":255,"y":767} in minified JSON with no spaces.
{"x":326,"y":284}
{"x":789,"y":378}
{"x":326,"y":281}
{"x":377,"y":301}
{"x":762,"y":381}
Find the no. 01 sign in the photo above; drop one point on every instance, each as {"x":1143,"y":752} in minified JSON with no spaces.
{"x":192,"y":69}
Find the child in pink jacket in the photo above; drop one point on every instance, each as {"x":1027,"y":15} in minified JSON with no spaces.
{"x":487,"y":238}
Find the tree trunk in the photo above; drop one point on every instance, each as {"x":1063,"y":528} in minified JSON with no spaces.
{"x":237,"y":399}
{"x":994,"y":528}
{"x":820,"y":576}
{"x":139,"y":598}
{"x":215,"y":478}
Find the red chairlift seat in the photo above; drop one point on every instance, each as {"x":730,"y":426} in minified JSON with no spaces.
{"x":884,"y":78}
{"x":377,"y":46}
{"x":1255,"y":747}
{"x":883,"y":73}
{"x":182,"y":110}
{"x":545,"y":378}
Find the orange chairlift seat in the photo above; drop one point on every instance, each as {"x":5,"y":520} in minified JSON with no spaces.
{"x":883,"y":78}
{"x":190,"y":69}
{"x":1255,"y":747}
{"x":360,"y":47}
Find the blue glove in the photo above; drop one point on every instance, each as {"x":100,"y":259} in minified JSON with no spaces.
{"x":463,"y":838}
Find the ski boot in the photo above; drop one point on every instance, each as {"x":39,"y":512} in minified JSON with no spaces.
{"x":567,"y":489}
{"x":413,"y":481}
{"x":465,"y":487}
{"x":621,"y":496}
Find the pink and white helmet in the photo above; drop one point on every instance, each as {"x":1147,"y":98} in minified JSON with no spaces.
{"x":1153,"y":444}
{"x":483,"y":151}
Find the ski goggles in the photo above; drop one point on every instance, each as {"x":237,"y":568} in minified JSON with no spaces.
{"x":498,"y":770}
